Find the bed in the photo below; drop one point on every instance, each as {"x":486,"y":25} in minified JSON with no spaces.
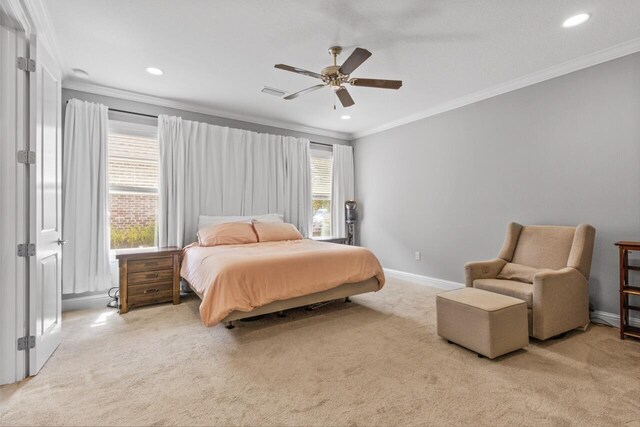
{"x":246,"y":280}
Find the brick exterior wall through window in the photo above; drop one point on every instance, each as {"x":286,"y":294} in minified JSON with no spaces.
{"x":128,"y":210}
{"x":133,"y":185}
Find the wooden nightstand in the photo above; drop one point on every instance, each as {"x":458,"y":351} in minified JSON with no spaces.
{"x":149,"y":276}
{"x":340,"y":240}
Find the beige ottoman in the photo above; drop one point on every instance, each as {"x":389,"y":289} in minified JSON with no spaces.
{"x":488,"y":323}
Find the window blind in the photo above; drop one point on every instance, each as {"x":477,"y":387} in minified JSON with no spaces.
{"x":321,"y":174}
{"x":133,"y":162}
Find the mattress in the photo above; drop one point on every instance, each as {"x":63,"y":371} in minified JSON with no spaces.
{"x":242,"y":277}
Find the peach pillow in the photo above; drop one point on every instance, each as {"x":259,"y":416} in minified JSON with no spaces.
{"x":228,"y":233}
{"x":276,"y":231}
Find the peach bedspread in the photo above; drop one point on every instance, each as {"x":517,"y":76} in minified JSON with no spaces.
{"x":242,"y":277}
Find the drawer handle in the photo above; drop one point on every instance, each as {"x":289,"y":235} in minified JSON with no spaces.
{"x":151,"y":276}
{"x":151,"y":291}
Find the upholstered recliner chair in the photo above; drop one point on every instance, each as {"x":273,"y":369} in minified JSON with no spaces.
{"x":546,"y":266}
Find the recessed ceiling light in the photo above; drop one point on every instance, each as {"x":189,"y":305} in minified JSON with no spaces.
{"x":155,"y":71}
{"x":80,"y":73}
{"x":578,"y":19}
{"x":345,"y":117}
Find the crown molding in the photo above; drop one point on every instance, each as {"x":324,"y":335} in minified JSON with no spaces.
{"x":163,"y":102}
{"x":14,"y":11}
{"x":589,"y":60}
{"x":43,"y":28}
{"x":41,"y":22}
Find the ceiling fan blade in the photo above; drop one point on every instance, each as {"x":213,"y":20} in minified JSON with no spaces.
{"x":298,"y":70}
{"x":354,"y":61}
{"x":345,"y":99}
{"x":303,"y":91}
{"x":379,"y":83}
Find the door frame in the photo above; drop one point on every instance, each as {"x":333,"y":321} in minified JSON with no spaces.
{"x":14,"y":192}
{"x":28,"y":19}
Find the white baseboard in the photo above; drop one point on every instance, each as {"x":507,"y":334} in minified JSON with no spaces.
{"x":85,"y":302}
{"x":447,"y":285}
{"x":423,"y":280}
{"x":612,"y":319}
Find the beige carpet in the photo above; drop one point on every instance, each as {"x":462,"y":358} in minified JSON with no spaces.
{"x":376,"y":361}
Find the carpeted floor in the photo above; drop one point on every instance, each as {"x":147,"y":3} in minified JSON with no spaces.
{"x":376,"y":361}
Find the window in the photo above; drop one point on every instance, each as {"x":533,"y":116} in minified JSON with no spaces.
{"x":133,"y":184}
{"x":321,"y":174}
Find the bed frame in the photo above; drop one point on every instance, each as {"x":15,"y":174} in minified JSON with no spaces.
{"x":343,"y":291}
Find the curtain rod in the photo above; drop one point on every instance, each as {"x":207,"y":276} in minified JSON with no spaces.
{"x":322,"y":143}
{"x":128,"y":112}
{"x":155,"y":117}
{"x":134,"y":113}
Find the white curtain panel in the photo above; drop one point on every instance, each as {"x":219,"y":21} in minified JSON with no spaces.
{"x":297,"y":183}
{"x":85,"y":197}
{"x":212,"y":170}
{"x":342,"y":187}
{"x":171,"y":174}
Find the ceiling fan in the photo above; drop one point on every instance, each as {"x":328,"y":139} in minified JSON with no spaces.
{"x":335,"y":76}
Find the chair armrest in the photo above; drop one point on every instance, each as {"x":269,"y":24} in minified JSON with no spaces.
{"x":560,"y":302}
{"x":482,"y":270}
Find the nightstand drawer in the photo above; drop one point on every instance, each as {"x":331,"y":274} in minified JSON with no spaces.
{"x":150,"y":264}
{"x":150,"y":289}
{"x":150,"y":276}
{"x":151,"y":298}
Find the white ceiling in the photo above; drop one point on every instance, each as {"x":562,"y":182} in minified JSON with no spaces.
{"x":218,"y":54}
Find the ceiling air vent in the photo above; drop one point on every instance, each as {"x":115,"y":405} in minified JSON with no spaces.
{"x":273,"y":91}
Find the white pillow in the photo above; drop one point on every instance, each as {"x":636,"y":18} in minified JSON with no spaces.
{"x":272,"y":217}
{"x":204,"y":220}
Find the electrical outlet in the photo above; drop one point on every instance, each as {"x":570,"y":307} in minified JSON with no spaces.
{"x":418,"y":256}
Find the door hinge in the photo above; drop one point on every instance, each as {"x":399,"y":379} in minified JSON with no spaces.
{"x":25,"y":343}
{"x":26,"y":249}
{"x":26,"y":64}
{"x":26,"y":157}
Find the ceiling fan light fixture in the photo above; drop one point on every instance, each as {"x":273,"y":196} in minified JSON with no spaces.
{"x":345,"y":117}
{"x":576,"y":20}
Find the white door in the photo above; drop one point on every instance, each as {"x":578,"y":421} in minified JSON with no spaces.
{"x":45,"y":281}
